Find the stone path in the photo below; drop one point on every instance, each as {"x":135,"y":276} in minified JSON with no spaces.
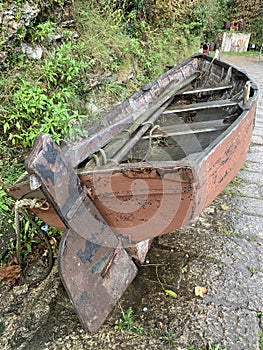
{"x":222,"y":251}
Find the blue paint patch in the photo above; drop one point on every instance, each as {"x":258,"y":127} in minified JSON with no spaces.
{"x":89,"y":252}
{"x":99,"y":265}
{"x":83,"y":297}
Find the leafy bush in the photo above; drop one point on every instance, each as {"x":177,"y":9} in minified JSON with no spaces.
{"x":45,"y":106}
{"x":34,"y":111}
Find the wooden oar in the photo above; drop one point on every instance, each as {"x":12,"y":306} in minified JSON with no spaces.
{"x":159,"y":110}
{"x":138,"y":113}
{"x":206,"y":89}
{"x":200,"y":106}
{"x":93,"y":266}
{"x":121,"y":139}
{"x":188,"y":128}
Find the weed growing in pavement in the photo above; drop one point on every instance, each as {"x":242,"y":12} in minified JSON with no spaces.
{"x":232,"y":188}
{"x":229,"y":190}
{"x":127,"y":323}
{"x":165,"y":335}
{"x":236,"y":181}
{"x":184,"y":269}
{"x":254,"y":270}
{"x":226,"y":231}
{"x":253,"y":238}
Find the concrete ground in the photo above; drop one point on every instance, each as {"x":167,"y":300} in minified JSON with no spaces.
{"x":222,"y":250}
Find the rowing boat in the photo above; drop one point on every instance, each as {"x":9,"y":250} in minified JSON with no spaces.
{"x":147,"y":168}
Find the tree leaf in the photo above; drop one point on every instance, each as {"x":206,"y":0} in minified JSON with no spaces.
{"x":9,"y":272}
{"x":200,"y":291}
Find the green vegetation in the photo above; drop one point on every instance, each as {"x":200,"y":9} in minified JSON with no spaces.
{"x":127,"y":323}
{"x":226,"y":231}
{"x":254,"y":270}
{"x":260,"y":332}
{"x":184,"y":269}
{"x":232,"y":188}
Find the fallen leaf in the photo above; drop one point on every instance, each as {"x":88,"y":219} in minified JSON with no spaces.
{"x":53,"y":241}
{"x":171,"y":293}
{"x":224,"y":206}
{"x":200,"y":291}
{"x":9,"y":272}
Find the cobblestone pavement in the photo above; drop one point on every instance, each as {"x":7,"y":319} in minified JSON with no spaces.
{"x":221,"y":250}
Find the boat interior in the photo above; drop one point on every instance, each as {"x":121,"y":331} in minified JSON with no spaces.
{"x":191,"y":120}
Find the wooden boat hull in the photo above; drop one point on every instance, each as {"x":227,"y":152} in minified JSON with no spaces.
{"x":166,"y":153}
{"x":142,"y":200}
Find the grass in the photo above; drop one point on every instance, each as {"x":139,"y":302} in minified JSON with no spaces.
{"x":230,"y":191}
{"x":226,"y":231}
{"x":126,"y":323}
{"x":232,"y":188}
{"x":254,"y":270}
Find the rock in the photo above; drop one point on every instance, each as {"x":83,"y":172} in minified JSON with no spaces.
{"x":14,"y":17}
{"x":32,"y":52}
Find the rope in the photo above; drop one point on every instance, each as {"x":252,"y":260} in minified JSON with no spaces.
{"x":111,"y":160}
{"x":128,"y":131}
{"x":96,"y":158}
{"x":147,"y":123}
{"x":150,"y":141}
{"x":19,"y":205}
{"x":104,"y":156}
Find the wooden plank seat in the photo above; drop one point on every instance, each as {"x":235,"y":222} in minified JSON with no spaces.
{"x":200,"y":106}
{"x":189,"y":128}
